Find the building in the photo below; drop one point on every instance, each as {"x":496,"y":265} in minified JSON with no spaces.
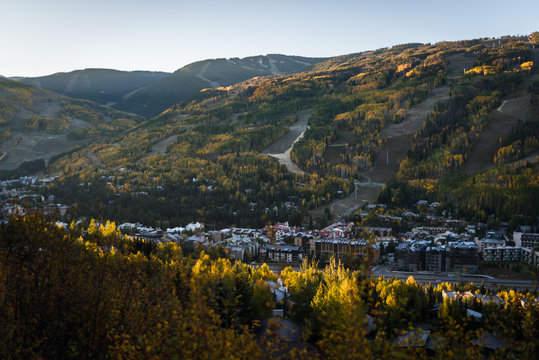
{"x":462,"y":257}
{"x":13,"y":210}
{"x":325,"y":248}
{"x":529,"y":240}
{"x":382,"y":232}
{"x":435,"y":258}
{"x":235,"y":252}
{"x":502,"y":253}
{"x":281,"y":253}
{"x":193,"y":243}
{"x":303,"y":240}
{"x":492,"y":239}
{"x":429,"y":230}
{"x":482,"y":244}
{"x":444,"y":238}
{"x":51,"y":209}
{"x":410,"y":255}
{"x":421,"y":255}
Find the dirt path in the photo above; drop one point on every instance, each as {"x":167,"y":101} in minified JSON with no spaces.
{"x":367,"y":191}
{"x":282,"y":147}
{"x":48,"y":108}
{"x":418,"y":113}
{"x":399,"y":136}
{"x":387,"y":161}
{"x":482,"y":155}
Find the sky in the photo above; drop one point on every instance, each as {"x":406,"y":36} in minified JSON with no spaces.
{"x":41,"y":37}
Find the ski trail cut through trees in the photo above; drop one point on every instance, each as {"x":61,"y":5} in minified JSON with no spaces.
{"x":280,"y":149}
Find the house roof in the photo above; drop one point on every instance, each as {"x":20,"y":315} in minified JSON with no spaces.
{"x":282,"y":248}
{"x":491,"y":341}
{"x":286,"y":330}
{"x":342,"y":241}
{"x":473,"y":314}
{"x":413,"y":338}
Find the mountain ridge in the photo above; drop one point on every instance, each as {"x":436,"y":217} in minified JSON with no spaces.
{"x":148,"y":93}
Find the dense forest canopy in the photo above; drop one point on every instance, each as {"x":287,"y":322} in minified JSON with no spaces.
{"x":93,"y":293}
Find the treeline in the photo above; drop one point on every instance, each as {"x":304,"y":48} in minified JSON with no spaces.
{"x":522,"y":141}
{"x":502,"y":194}
{"x":105,"y":121}
{"x":26,"y":168}
{"x":92,"y":293}
{"x":504,"y":56}
{"x":244,"y":189}
{"x":49,"y":124}
{"x":102,"y":120}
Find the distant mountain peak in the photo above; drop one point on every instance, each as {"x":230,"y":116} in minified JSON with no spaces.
{"x":149,"y":92}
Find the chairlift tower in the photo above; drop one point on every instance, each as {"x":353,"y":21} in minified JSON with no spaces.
{"x":356,"y":188}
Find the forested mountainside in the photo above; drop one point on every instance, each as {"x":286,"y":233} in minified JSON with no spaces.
{"x":37,"y":124}
{"x":202,"y":159}
{"x":186,"y":82}
{"x":105,"y":86}
{"x":148,"y":93}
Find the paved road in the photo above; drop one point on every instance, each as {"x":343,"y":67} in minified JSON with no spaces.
{"x":425,"y":277}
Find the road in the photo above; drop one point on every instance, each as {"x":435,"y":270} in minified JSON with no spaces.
{"x":425,"y":277}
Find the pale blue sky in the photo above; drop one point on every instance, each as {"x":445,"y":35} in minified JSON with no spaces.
{"x":40,"y":37}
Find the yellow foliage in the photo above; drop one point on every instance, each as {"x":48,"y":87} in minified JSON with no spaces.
{"x":403,"y":67}
{"x":484,"y":70}
{"x":527,"y":65}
